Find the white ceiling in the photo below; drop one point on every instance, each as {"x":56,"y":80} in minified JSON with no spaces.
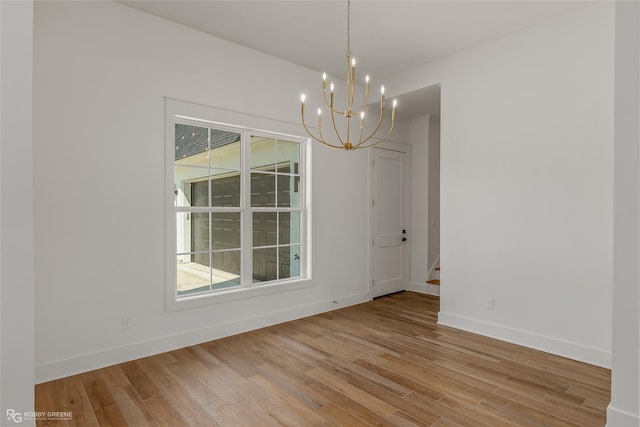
{"x":386,"y":36}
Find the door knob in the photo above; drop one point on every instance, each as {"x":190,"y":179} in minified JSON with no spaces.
{"x":404,"y":239}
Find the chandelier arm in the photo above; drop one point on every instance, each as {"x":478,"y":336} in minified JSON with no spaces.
{"x":353,"y":92}
{"x":353,"y":87}
{"x":351,"y":82}
{"x":322,"y":136}
{"x":335,"y":128}
{"x":377,"y":142}
{"x":333,"y":110}
{"x":304,"y":124}
{"x":340,"y":147}
{"x":348,"y":92}
{"x":320,"y":140}
{"x":376,"y":129}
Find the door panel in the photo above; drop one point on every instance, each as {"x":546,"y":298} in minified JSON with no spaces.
{"x":389,"y":221}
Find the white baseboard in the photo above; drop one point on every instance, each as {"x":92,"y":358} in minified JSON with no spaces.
{"x":425,"y":288}
{"x":86,"y":362}
{"x":551,"y":345}
{"x":618,"y":418}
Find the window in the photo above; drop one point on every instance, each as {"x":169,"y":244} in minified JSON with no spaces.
{"x":240,"y":209}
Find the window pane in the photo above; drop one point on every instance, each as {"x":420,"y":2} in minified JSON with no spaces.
{"x":289,"y":261}
{"x":265,"y":264}
{"x":184,"y":179}
{"x":226,"y":269}
{"x":192,"y":232}
{"x":288,"y":191}
{"x":199,"y":232}
{"x":289,"y":223}
{"x":226,"y":230}
{"x":288,"y":156}
{"x":225,"y":149}
{"x":198,"y":192}
{"x":225,"y":188}
{"x":265,"y":228}
{"x":183,"y":232}
{"x":192,"y":276}
{"x":263,"y":153}
{"x":192,"y":146}
{"x":263,"y":190}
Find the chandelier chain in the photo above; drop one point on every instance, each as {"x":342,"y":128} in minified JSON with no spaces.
{"x":348,"y":27}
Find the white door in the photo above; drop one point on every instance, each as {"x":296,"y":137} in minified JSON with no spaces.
{"x":389,"y":258}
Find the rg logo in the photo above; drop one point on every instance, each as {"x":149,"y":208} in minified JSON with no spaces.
{"x":14,"y":416}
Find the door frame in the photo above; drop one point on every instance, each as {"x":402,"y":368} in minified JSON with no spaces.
{"x":403,"y":148}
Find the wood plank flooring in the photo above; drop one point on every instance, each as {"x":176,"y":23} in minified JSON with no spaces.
{"x":384,"y":363}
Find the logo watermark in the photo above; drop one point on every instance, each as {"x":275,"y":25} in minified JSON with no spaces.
{"x":18,"y":417}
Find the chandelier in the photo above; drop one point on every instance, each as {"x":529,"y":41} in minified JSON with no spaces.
{"x":364,"y":140}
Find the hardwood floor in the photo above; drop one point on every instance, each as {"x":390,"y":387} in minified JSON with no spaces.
{"x":385,"y":362}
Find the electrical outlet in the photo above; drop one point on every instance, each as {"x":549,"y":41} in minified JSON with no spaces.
{"x":490,"y":304}
{"x":126,"y":322}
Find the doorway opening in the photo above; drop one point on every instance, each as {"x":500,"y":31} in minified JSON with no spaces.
{"x":420,"y":114}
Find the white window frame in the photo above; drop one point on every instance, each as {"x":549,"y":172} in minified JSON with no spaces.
{"x":247,"y":125}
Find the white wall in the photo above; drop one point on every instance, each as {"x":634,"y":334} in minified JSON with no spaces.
{"x":526,"y":181}
{"x":101,"y":72}
{"x":16,"y":212}
{"x":625,"y":395}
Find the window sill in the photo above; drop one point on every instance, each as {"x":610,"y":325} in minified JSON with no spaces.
{"x":174,"y":304}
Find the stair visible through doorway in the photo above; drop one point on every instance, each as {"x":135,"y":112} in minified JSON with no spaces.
{"x":435,"y":281}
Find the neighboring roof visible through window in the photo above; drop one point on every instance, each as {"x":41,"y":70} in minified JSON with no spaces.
{"x":192,"y":140}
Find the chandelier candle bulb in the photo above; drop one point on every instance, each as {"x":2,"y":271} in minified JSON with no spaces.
{"x":393,"y":112}
{"x":353,"y":70}
{"x":366,"y":89}
{"x":331,"y":87}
